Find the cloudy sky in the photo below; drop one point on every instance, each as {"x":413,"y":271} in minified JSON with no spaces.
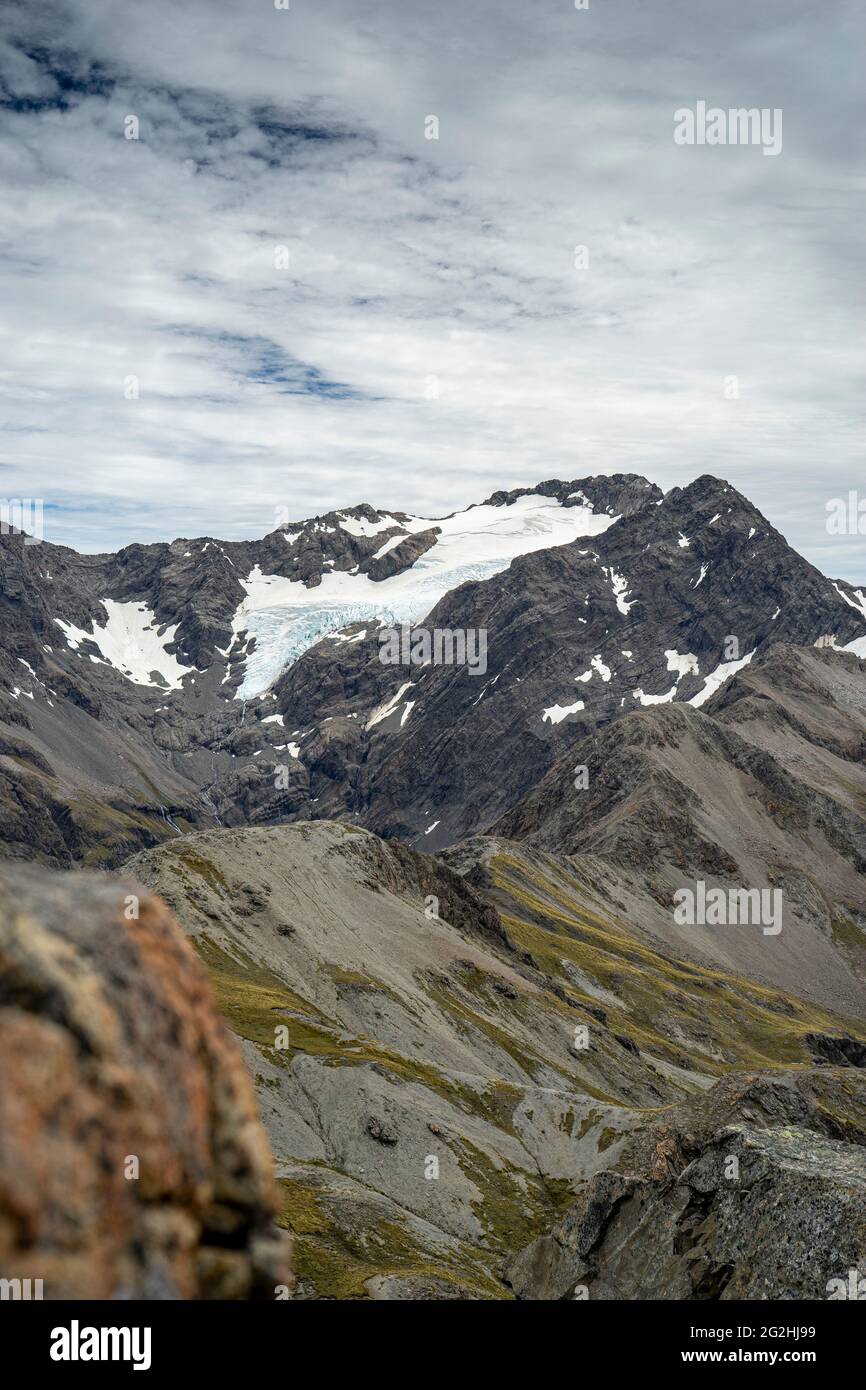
{"x":317,"y":305}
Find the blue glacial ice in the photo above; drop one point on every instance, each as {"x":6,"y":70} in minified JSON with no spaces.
{"x":285,"y":631}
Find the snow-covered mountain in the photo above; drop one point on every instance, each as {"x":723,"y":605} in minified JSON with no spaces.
{"x":661,"y":607}
{"x":163,"y":687}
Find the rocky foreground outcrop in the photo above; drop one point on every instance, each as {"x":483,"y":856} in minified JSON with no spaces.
{"x":132,"y":1160}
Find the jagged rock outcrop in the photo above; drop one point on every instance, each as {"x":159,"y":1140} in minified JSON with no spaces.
{"x":825,"y":1102}
{"x":132,"y":1161}
{"x":776,"y":1212}
{"x":836,"y":1052}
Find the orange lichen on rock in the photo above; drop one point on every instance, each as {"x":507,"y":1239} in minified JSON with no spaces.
{"x":132,"y":1160}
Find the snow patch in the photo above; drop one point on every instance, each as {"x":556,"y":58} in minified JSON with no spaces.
{"x":859,"y":606}
{"x":388,"y":706}
{"x":389,"y":545}
{"x":654,"y":699}
{"x":684,"y":665}
{"x":130,"y":641}
{"x":716,"y":679}
{"x":596,"y":664}
{"x":557,"y":713}
{"x":620,"y":589}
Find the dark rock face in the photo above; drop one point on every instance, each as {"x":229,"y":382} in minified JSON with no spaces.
{"x":622,"y":494}
{"x":402,"y":555}
{"x":132,"y":1161}
{"x":836,"y":1052}
{"x":644,"y":782}
{"x":738,"y":1212}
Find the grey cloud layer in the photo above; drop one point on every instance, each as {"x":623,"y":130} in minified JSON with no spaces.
{"x":310,"y":386}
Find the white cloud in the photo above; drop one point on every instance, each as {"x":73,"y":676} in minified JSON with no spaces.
{"x":413,"y":259}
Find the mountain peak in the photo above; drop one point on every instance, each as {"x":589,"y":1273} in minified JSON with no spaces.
{"x":708,"y":490}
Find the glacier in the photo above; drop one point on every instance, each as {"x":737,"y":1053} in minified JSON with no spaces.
{"x":285,"y":631}
{"x":286,"y":618}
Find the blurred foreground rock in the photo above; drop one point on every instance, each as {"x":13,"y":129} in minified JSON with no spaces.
{"x":132,"y":1160}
